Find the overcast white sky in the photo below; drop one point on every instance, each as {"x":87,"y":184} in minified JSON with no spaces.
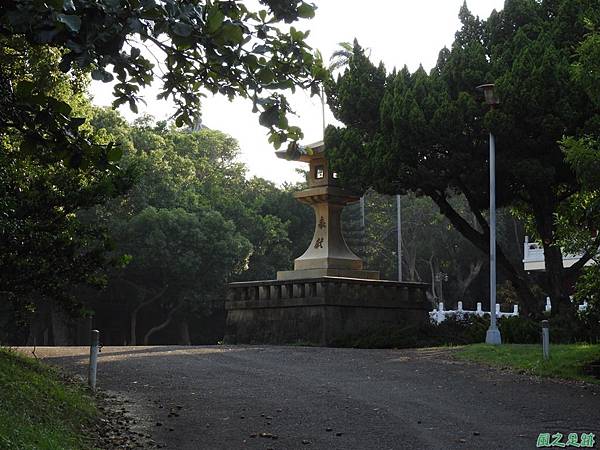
{"x":397,"y":32}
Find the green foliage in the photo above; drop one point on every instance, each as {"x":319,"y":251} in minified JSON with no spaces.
{"x":191,"y":223}
{"x":587,"y":67}
{"x":37,"y":410}
{"x":53,"y":166}
{"x":470,"y":329}
{"x":566,"y":361}
{"x":41,"y":108}
{"x":430,"y":245}
{"x":455,"y":330}
{"x":45,"y":249}
{"x":583,"y":155}
{"x":576,"y":326}
{"x":280,"y":227}
{"x":428,"y":133}
{"x":222,"y":46}
{"x":192,"y":254}
{"x":519,"y":330}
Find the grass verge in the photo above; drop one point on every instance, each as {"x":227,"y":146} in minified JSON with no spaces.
{"x":38,"y":409}
{"x":566,"y":361}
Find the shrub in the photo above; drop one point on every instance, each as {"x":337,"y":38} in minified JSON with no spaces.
{"x":462,"y":329}
{"x":519,"y":330}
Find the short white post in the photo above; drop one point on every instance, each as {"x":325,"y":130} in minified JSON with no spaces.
{"x":516,"y":310}
{"x":545,"y":339}
{"x":479,"y":312}
{"x":94,"y":347}
{"x":441,"y":314}
{"x":497,"y":309}
{"x":460,"y":306}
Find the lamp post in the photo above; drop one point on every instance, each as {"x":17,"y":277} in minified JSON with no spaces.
{"x":440,"y":277}
{"x":399,"y":235}
{"x":493,"y":333}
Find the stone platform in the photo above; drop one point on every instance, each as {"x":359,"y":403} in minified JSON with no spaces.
{"x":318,"y":310}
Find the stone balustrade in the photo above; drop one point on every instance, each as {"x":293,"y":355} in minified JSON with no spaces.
{"x":265,"y":293}
{"x":318,"y":310}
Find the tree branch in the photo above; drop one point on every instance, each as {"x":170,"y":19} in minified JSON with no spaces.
{"x":590,"y":253}
{"x":167,"y":321}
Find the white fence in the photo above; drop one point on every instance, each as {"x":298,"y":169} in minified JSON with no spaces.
{"x":439,"y":315}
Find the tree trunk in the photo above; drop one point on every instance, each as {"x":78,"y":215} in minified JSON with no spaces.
{"x":432,"y":269}
{"x":464,"y":283}
{"x":529,"y":304}
{"x":165,"y":324}
{"x":136,"y":310}
{"x":553,"y":262}
{"x":184,"y":333}
{"x":409,"y":255}
{"x":133,"y":326}
{"x":60,"y":331}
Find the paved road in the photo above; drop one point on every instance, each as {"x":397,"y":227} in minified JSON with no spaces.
{"x":320,"y":398}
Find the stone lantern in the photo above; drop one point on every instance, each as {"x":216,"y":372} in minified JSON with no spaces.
{"x":328,"y":254}
{"x":328,"y":296}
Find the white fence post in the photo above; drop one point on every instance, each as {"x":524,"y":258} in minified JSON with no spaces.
{"x":479,"y":311}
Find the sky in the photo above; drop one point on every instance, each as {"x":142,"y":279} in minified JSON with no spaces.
{"x":397,"y":32}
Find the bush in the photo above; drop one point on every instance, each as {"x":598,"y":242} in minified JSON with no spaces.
{"x":519,"y":330}
{"x":456,"y":330}
{"x":573,"y":327}
{"x":469,"y":329}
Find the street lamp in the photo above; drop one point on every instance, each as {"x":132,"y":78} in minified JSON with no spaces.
{"x":493,"y":333}
{"x":399,"y":235}
{"x":440,"y":277}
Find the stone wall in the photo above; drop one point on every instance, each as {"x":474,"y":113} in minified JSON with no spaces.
{"x":318,"y":310}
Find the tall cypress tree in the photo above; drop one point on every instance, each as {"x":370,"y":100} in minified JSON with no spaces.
{"x":428,"y":132}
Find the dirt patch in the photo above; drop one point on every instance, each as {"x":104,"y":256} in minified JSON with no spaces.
{"x":117,"y":428}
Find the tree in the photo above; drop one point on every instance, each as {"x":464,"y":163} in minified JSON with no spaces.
{"x":430,"y":245}
{"x":222,"y":46}
{"x":181,"y":173}
{"x":428,"y":132}
{"x":583,"y":155}
{"x":45,"y":249}
{"x":184,"y":257}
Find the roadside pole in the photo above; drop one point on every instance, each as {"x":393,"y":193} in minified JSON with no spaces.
{"x":546,"y":339}
{"x":94,"y":348}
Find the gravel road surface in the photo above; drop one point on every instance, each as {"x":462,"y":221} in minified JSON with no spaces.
{"x":263,"y":397}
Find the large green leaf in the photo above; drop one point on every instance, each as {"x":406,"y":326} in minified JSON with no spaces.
{"x":215,"y":19}
{"x":306,"y":11}
{"x":182,"y":29}
{"x":232,"y":33}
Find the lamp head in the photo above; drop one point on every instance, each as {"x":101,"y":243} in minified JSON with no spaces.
{"x":489,"y":94}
